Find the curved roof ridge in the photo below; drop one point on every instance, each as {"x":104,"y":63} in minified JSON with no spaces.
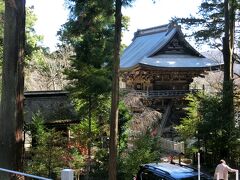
{"x":152,"y":30}
{"x":156,"y":29}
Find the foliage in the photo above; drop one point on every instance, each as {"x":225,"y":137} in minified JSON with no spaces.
{"x":32,"y":49}
{"x":189,"y":124}
{"x":80,"y":132}
{"x":145,"y":149}
{"x":90,"y":31}
{"x":236,"y":151}
{"x":124,"y":118}
{"x":216,"y":24}
{"x":237,"y":105}
{"x":49,"y":153}
{"x":208,"y":25}
{"x":99,"y":133}
{"x":74,"y":159}
{"x":211,"y":132}
{"x":1,"y":29}
{"x":99,"y":138}
{"x":34,"y":52}
{"x":100,"y":166}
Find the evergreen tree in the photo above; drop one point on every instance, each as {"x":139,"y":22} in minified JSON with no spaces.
{"x":112,"y":175}
{"x":1,"y":29}
{"x":205,"y":125}
{"x":90,"y":31}
{"x":217,"y":26}
{"x":189,"y":124}
{"x":115,"y":88}
{"x":145,"y":149}
{"x":50,"y":151}
{"x":208,"y":24}
{"x":33,"y":49}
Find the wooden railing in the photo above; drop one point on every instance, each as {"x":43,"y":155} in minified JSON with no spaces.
{"x":159,"y":93}
{"x":177,"y":147}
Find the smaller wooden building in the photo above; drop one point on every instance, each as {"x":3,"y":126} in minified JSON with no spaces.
{"x":54,"y":106}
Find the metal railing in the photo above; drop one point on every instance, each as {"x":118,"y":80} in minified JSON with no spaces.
{"x":23,"y":174}
{"x":66,"y":174}
{"x":236,"y":172}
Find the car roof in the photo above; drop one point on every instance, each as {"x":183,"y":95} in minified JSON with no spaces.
{"x":174,"y":170}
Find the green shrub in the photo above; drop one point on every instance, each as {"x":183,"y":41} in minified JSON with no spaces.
{"x":50,"y":152}
{"x":145,"y":149}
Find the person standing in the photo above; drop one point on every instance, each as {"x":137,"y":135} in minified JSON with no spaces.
{"x":221,"y":171}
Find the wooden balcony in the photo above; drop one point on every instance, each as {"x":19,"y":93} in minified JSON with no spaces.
{"x":159,"y":93}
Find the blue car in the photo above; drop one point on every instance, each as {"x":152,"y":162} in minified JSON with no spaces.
{"x":168,"y":171}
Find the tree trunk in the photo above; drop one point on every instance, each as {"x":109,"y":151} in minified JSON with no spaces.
{"x":89,"y":136}
{"x":11,"y":115}
{"x":115,"y":94}
{"x":228,"y":43}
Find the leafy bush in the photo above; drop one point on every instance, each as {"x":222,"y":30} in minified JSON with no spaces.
{"x":50,"y":152}
{"x":145,"y":149}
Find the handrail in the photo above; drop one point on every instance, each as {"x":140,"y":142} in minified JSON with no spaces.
{"x":24,"y":174}
{"x":237,"y":175}
{"x":160,"y":93}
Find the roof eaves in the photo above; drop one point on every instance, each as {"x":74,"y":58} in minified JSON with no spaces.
{"x":210,"y":68}
{"x":124,"y":69}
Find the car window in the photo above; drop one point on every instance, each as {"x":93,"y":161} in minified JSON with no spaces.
{"x":148,"y":175}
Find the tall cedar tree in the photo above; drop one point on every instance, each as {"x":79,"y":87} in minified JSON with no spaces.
{"x":11,"y":117}
{"x":216,"y":25}
{"x":90,"y":31}
{"x":12,"y":29}
{"x":115,"y":94}
{"x":228,"y":48}
{"x":1,"y":28}
{"x":115,"y":90}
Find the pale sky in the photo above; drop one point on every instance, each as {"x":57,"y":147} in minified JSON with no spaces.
{"x":143,"y":14}
{"x":51,"y":15}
